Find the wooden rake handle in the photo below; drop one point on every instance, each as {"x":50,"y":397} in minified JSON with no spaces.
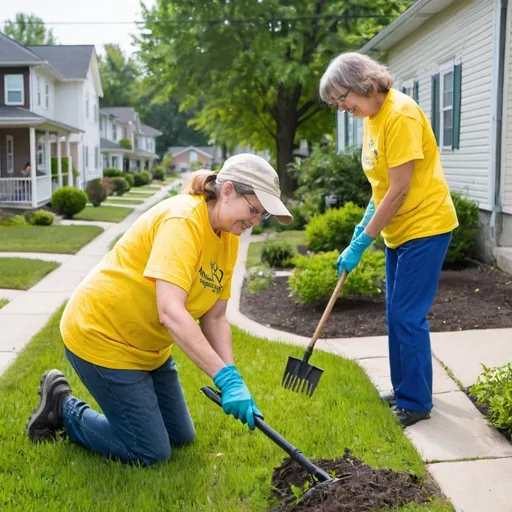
{"x":328,"y":309}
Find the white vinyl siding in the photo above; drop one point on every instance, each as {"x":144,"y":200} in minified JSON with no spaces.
{"x":463,"y":34}
{"x":507,"y":126}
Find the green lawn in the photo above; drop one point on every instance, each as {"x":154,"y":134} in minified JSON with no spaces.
{"x":123,"y":200}
{"x":3,"y":302}
{"x":254,"y":254}
{"x":23,"y":273}
{"x":146,"y":188}
{"x":58,"y":239}
{"x":228,"y":468}
{"x":139,"y":195}
{"x":103,"y":213}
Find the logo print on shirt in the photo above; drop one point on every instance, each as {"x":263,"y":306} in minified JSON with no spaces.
{"x":212,"y":280}
{"x":371,"y":156}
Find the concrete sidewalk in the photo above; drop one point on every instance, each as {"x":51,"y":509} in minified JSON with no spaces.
{"x":28,"y":311}
{"x":457,"y":431}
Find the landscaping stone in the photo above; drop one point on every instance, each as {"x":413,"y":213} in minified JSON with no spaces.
{"x":476,"y":485}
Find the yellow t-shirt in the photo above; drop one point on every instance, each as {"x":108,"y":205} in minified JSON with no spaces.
{"x":112,"y":318}
{"x":398,"y":133}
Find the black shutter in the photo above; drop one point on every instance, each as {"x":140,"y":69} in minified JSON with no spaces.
{"x":435,"y":106}
{"x":457,"y":82}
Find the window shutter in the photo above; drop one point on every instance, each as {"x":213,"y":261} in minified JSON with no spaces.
{"x":457,"y":82}
{"x":345,"y":121}
{"x":404,"y":90}
{"x":337,"y":130}
{"x":435,"y":106}
{"x":416,"y":91}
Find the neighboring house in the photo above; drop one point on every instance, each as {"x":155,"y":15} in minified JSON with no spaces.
{"x":454,"y":58}
{"x":118,"y":123}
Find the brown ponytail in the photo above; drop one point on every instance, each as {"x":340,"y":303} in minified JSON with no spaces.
{"x":202,"y":182}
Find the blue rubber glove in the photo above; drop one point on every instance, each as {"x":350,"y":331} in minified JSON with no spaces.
{"x":236,"y":397}
{"x":367,"y":217}
{"x":351,"y":256}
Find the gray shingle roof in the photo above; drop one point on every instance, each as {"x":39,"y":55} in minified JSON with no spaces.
{"x":176,"y":149}
{"x":149,"y":130}
{"x":18,"y":113}
{"x":124,"y":114}
{"x":69,"y":60}
{"x":108,"y":144}
{"x":13,"y":52}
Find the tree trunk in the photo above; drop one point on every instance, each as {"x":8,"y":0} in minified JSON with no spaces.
{"x":285,"y":137}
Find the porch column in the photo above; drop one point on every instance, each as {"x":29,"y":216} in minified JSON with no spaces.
{"x":48,"y":144}
{"x":59,"y":160}
{"x":70,"y":160}
{"x":33,"y":165}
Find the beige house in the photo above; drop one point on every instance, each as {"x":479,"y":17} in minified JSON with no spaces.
{"x":189,"y":157}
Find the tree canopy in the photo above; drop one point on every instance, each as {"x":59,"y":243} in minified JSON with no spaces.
{"x":29,"y":29}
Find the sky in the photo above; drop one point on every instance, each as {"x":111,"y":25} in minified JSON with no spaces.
{"x":82,"y":11}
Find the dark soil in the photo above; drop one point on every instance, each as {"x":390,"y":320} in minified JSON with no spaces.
{"x":360,"y":488}
{"x":477,"y":297}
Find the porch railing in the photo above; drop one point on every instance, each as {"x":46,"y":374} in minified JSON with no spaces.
{"x":18,"y":191}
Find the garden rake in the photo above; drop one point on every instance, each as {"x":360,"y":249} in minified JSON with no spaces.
{"x":299,"y":375}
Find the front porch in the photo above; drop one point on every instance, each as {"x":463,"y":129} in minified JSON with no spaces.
{"x":26,"y":178}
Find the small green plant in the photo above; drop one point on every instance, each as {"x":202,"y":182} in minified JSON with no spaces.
{"x":141,"y":178}
{"x":493,"y":389}
{"x":129,"y":178}
{"x":257,"y":230}
{"x":41,"y":218}
{"x":463,"y":240}
{"x":259,"y":278}
{"x":14,"y":220}
{"x":69,"y":201}
{"x":125,"y":143}
{"x":111,"y":172}
{"x":277,"y":252}
{"x":121,"y":185}
{"x":333,"y":230}
{"x":96,"y":191}
{"x":159,"y":173}
{"x":315,"y":277}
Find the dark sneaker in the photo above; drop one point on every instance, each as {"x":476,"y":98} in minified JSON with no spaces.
{"x":408,"y":418}
{"x":389,"y":398}
{"x":46,"y":418}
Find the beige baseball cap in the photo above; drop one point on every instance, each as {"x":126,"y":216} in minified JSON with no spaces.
{"x":256,"y":172}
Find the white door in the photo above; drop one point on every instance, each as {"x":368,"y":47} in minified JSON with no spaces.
{"x":10,"y":154}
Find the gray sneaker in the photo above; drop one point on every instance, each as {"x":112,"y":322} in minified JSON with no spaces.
{"x":46,"y":419}
{"x":408,"y":418}
{"x":389,"y":398}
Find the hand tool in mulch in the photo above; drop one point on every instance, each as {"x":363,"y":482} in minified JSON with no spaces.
{"x":299,"y":375}
{"x":294,"y":453}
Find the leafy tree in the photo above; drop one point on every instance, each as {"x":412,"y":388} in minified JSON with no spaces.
{"x":29,"y":29}
{"x":256,"y":64}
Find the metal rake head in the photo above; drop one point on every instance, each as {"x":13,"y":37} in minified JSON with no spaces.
{"x":301,"y":377}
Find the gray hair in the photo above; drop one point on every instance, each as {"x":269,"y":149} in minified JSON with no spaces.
{"x":356,"y":72}
{"x":207,"y":183}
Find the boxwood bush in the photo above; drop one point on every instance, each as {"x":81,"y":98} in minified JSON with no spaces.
{"x":41,"y":218}
{"x":69,"y":201}
{"x":96,"y":191}
{"x":111,"y":172}
{"x":121,"y":185}
{"x":277,"y":252}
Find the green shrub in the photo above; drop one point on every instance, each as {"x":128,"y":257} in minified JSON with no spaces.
{"x":41,"y":218}
{"x":65,"y":167}
{"x":15,"y":220}
{"x":257,"y":230}
{"x":121,"y":185}
{"x":333,"y":229}
{"x":111,"y":172}
{"x":125,"y":143}
{"x":325,"y":173}
{"x":493,"y":389}
{"x":141,"y":178}
{"x":69,"y":201}
{"x":315,"y":277}
{"x":463,"y":241}
{"x":259,"y":278}
{"x":129,"y":178}
{"x":159,"y":173}
{"x":96,"y":191}
{"x":277,"y":252}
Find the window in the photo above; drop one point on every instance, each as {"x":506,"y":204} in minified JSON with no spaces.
{"x":10,"y":154}
{"x":193,"y":156}
{"x":411,"y":88}
{"x":114,"y":162}
{"x":114,"y":131}
{"x":38,"y":88}
{"x":41,"y":155}
{"x":95,"y":112}
{"x":101,"y":125}
{"x":446,"y":101}
{"x":14,"y":90}
{"x":47,"y":95}
{"x":353,"y":131}
{"x":87,"y":105}
{"x":86,"y":157}
{"x":96,"y":157}
{"x":104,"y":161}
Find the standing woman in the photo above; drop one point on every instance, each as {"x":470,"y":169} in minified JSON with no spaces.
{"x":412,"y":207}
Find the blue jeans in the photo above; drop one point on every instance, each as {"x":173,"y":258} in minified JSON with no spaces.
{"x":144,"y":413}
{"x":412,"y":276}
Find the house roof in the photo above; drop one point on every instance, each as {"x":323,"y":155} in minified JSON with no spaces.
{"x":21,"y":115}
{"x":124,"y":114}
{"x":71,"y":61}
{"x":108,"y":144}
{"x":149,"y":130}
{"x":409,"y":21}
{"x":12,"y":52}
{"x":178,"y":150}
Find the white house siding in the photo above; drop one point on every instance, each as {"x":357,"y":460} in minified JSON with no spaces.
{"x":462,"y":33}
{"x":507,"y":123}
{"x":69,"y":98}
{"x":45,"y":78}
{"x":91,"y":125}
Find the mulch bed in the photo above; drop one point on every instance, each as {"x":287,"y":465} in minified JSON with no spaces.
{"x":476,"y":297}
{"x":360,"y":488}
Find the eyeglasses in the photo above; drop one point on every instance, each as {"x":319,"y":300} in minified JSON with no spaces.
{"x":341,"y":98}
{"x":254,"y":211}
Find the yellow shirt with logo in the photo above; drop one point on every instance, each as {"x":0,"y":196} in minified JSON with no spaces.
{"x":112,"y":319}
{"x":398,"y":133}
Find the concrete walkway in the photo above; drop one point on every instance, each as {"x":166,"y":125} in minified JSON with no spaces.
{"x":28,"y":311}
{"x":469,"y":459}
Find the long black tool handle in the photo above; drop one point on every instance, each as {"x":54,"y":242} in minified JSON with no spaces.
{"x":293,"y":452}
